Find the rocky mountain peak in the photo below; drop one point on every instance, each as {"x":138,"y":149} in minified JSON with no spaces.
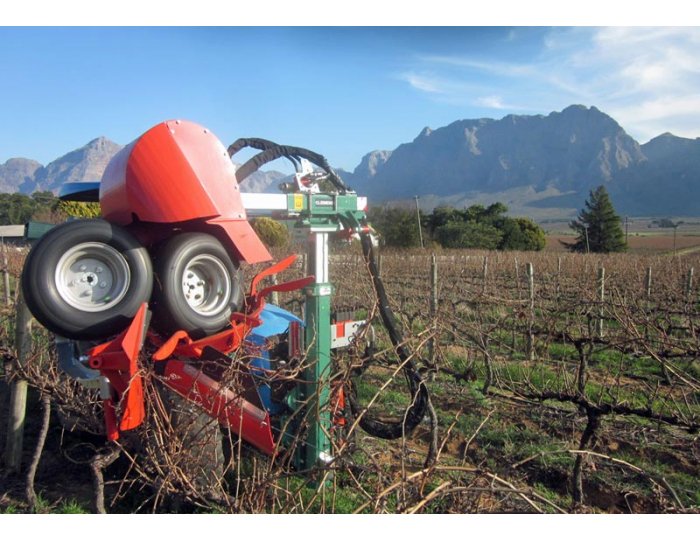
{"x":16,"y":172}
{"x":425,"y":132}
{"x":668,"y":146}
{"x":84,"y":164}
{"x":537,"y":164}
{"x":372,"y":163}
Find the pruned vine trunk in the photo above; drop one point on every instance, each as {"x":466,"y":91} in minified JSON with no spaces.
{"x":30,"y":493}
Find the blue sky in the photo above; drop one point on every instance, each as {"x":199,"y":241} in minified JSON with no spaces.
{"x":339,"y":91}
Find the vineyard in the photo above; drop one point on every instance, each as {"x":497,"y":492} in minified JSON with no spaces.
{"x":558,"y":382}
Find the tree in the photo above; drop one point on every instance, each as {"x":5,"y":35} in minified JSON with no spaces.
{"x":598,"y":227}
{"x":522,"y":234}
{"x":468,"y":235}
{"x":398,"y":227}
{"x":17,"y":208}
{"x":442,"y":215}
{"x":271,"y":232}
{"x":475,"y":227}
{"x":80,"y":209}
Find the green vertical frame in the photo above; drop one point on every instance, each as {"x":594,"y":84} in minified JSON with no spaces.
{"x":315,"y":448}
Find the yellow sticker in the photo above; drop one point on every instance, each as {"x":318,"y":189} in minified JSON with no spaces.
{"x":298,"y":202}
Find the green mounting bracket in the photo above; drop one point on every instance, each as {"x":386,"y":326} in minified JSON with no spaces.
{"x":320,"y":214}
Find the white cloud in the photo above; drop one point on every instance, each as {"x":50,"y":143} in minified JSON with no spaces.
{"x":492,"y":102}
{"x":495,"y":67}
{"x":646,"y":78}
{"x":423,"y":83}
{"x":496,"y":102}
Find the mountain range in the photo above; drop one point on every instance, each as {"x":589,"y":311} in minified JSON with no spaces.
{"x":539,"y":166}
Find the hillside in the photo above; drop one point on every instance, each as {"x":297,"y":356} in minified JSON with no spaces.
{"x":540,"y":166}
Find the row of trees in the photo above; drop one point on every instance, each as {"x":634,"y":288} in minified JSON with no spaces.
{"x":474,"y":227}
{"x":598,"y":227}
{"x":18,"y":208}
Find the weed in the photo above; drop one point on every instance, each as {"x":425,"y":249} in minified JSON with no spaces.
{"x":71,"y":507}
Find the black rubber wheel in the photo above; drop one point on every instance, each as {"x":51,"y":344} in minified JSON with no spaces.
{"x":86,"y":279}
{"x":197,"y":285}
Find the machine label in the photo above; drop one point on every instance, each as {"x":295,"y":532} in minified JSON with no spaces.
{"x":325,"y":290}
{"x":298,"y":202}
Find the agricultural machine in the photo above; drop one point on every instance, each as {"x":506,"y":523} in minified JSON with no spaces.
{"x":156,"y":284}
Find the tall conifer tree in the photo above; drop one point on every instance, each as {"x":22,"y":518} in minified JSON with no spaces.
{"x":598,"y":227}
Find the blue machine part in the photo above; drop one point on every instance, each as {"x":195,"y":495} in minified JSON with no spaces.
{"x":80,"y":191}
{"x":275,"y":321}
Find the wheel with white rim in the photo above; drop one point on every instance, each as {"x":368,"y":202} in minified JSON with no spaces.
{"x":92,"y":277}
{"x":197,"y":285}
{"x":86,"y":279}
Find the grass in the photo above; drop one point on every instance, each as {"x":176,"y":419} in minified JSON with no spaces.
{"x":71,"y":507}
{"x":685,"y":485}
{"x":45,"y":506}
{"x":333,"y":497}
{"x":540,"y":375}
{"x":394,"y":399}
{"x":562,"y":500}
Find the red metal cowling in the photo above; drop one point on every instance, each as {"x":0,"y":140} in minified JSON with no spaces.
{"x":232,"y":411}
{"x":179,"y":172}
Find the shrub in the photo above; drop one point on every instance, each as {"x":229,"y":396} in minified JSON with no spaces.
{"x":271,"y":232}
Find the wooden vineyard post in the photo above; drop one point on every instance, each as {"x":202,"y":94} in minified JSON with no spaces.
{"x":558,"y":290}
{"x":531,"y":318}
{"x":6,"y":275}
{"x":274,"y":296}
{"x":689,"y":284}
{"x":647,"y":283}
{"x":485,"y":271}
{"x":433,"y":314}
{"x":18,"y":391}
{"x":601,"y":299}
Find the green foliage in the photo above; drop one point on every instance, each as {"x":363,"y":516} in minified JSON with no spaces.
{"x":666,"y":223}
{"x":398,"y":227}
{"x":476,"y":227}
{"x":80,"y":209}
{"x":271,"y":232}
{"x":17,"y":208}
{"x":468,"y":234}
{"x":485,"y":228}
{"x":522,"y":234}
{"x":71,"y":507}
{"x":598,"y":227}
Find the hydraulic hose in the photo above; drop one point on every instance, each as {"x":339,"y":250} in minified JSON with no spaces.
{"x":419,"y":391}
{"x":259,"y":144}
{"x":271,"y":151}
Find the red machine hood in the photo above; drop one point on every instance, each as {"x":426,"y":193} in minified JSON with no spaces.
{"x":178,"y":172}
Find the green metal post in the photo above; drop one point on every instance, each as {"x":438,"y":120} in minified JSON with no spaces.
{"x":315,"y":388}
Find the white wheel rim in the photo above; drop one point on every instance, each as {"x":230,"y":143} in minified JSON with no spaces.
{"x":92,"y":277}
{"x":206,"y":285}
